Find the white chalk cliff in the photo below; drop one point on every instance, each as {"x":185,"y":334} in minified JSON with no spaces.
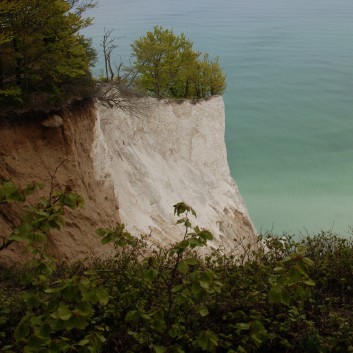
{"x":130,"y":166}
{"x":159,"y":153}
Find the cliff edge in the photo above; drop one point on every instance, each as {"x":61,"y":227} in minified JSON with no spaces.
{"x":129,"y":165}
{"x":30,"y":151}
{"x":161,"y":152}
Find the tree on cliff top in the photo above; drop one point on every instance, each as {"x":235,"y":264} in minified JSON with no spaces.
{"x":42,"y":55}
{"x":169,"y":67}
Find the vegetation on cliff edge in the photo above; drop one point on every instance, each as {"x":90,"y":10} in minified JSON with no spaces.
{"x":45,"y":61}
{"x":168,"y":66}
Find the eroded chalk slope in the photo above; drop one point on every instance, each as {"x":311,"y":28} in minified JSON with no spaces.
{"x":159,"y":153}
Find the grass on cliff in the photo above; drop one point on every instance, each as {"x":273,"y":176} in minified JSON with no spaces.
{"x":282,"y":296}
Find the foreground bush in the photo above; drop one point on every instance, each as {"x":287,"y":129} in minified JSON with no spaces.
{"x":286,"y":296}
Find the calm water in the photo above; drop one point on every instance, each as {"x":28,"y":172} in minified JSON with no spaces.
{"x":289,"y":103}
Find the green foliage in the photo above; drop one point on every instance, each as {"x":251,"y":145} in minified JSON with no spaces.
{"x":117,"y":236}
{"x":9,"y":192}
{"x":287,"y":297}
{"x":11,"y":96}
{"x":43,"y":54}
{"x":58,"y":315}
{"x":169,"y":67}
{"x":290,"y":279}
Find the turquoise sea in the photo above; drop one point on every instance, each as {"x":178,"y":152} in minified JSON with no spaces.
{"x":289,"y":100}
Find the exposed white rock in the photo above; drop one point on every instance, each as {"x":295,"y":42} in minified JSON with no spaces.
{"x":160,"y":153}
{"x":53,"y":121}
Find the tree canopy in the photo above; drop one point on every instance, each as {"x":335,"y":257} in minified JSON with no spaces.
{"x":168,"y":66}
{"x":45,"y":61}
{"x":42,"y":53}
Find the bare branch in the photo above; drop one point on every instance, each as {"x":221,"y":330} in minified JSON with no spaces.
{"x":113,"y":94}
{"x":52,"y":180}
{"x":81,"y":6}
{"x":6,"y":244}
{"x":108,"y":45}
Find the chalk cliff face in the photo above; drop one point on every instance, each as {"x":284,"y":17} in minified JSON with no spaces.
{"x":159,"y":153}
{"x":131,"y":166}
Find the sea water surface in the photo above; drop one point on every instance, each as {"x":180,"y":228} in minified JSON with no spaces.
{"x":289,"y":99}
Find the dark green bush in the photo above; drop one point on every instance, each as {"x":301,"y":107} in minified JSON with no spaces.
{"x":285,"y":296}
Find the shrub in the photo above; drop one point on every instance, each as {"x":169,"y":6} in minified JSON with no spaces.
{"x":287,"y":297}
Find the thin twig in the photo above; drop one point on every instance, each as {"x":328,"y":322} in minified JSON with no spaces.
{"x":6,"y":244}
{"x":52,"y":179}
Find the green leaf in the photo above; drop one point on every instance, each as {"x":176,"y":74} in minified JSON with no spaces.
{"x":206,"y":235}
{"x":107,"y":239}
{"x":275,"y":295}
{"x":32,"y":301}
{"x":150,"y":275}
{"x":183,"y":267}
{"x":102,"y":296}
{"x":180,"y":247}
{"x":257,"y":327}
{"x":241,"y":349}
{"x":36,"y":320}
{"x":84,"y":342}
{"x":59,"y":345}
{"x":132,"y":315}
{"x":191,"y":261}
{"x":63,"y":312}
{"x":29,"y":189}
{"x":294,"y":274}
{"x":177,"y":288}
{"x":158,"y":322}
{"x":193,"y":242}
{"x":10,"y":193}
{"x":70,"y":293}
{"x":159,"y":349}
{"x":198,"y":292}
{"x":16,"y":237}
{"x":308,"y":262}
{"x":173,"y":332}
{"x":72,"y":200}
{"x":258,"y":332}
{"x":243,"y":326}
{"x":203,"y":311}
{"x":35,"y":342}
{"x":303,"y":292}
{"x":310,"y":283}
{"x":179,"y":208}
{"x":301,"y":249}
{"x":83,"y":309}
{"x":285,"y":297}
{"x":101,"y":232}
{"x":52,"y":290}
{"x":45,"y":331}
{"x":78,"y":322}
{"x":22,"y":330}
{"x":207,"y":341}
{"x":205,"y":284}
